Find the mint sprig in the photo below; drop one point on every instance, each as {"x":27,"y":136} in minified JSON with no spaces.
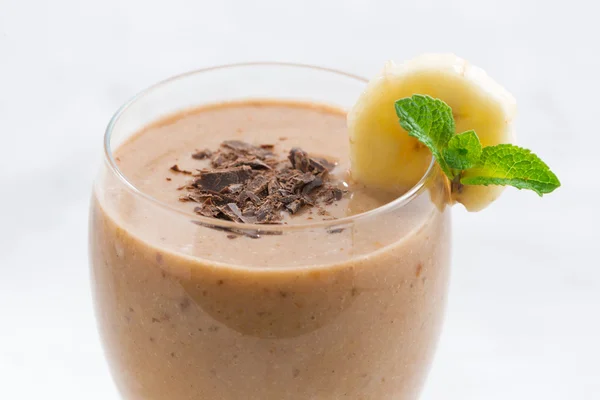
{"x":461,"y":156}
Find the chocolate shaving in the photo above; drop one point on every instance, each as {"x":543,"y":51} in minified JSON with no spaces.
{"x":234,"y":188}
{"x":308,"y":201}
{"x":248,"y":195}
{"x":289,"y":198}
{"x":299,"y":159}
{"x":259,"y":184}
{"x":232,"y":212}
{"x":207,"y":210}
{"x":252,"y":163}
{"x":238,"y":145}
{"x":295,"y":206}
{"x":247,"y":184}
{"x":315,"y":183}
{"x":220,"y":160}
{"x":267,"y":212}
{"x":273,"y":186}
{"x":175,"y":168}
{"x":322,"y":164}
{"x":247,"y":148}
{"x":239,"y":215}
{"x":202,"y":155}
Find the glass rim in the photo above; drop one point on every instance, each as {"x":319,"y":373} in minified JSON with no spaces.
{"x":399,"y":202}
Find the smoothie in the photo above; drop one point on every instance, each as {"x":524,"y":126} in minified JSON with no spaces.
{"x":340,"y":301}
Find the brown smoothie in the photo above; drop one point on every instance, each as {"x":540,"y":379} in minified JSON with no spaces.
{"x":324,"y":307}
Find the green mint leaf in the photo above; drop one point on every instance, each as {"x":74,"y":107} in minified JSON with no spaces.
{"x":430,"y":121}
{"x":506,"y":164}
{"x":463,"y":150}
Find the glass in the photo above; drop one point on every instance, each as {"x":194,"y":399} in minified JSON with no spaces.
{"x":355,"y":312}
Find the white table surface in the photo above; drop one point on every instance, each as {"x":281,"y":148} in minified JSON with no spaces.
{"x":523,"y":320}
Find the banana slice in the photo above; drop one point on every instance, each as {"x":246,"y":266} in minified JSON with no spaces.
{"x":381,"y":152}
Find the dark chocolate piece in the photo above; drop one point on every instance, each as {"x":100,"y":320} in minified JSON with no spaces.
{"x":315,"y":183}
{"x":216,"y":180}
{"x":222,"y":160}
{"x":295,"y":206}
{"x":299,"y":159}
{"x":259,"y":184}
{"x":267,"y":212}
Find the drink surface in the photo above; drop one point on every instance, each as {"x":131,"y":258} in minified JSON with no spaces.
{"x":187,"y":312}
{"x":147,"y":157}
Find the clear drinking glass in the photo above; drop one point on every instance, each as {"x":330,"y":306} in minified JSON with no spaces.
{"x":342,"y":309}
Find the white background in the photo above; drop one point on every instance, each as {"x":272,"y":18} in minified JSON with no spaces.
{"x":524,"y":314}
